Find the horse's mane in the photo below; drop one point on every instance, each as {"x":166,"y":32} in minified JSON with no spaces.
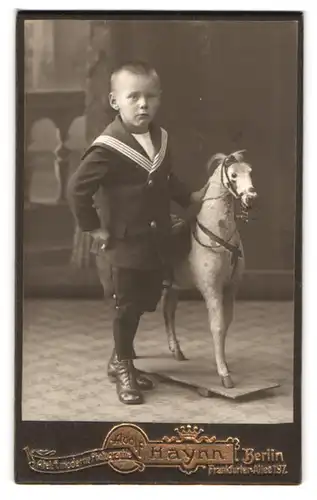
{"x":214,"y":162}
{"x":218,"y":158}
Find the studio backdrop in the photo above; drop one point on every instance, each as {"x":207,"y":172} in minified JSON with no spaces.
{"x":226,"y":86}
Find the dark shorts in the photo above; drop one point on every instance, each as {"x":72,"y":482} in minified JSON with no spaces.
{"x":140,"y":288}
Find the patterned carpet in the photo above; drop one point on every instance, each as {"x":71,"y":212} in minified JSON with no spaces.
{"x":67,"y":343}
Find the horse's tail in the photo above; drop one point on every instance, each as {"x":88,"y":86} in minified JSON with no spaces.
{"x":214,"y":161}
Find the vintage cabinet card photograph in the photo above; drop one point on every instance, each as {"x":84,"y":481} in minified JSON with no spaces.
{"x":159,"y":205}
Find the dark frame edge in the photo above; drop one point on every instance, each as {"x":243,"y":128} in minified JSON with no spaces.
{"x":21,"y":16}
{"x":19,"y":137}
{"x":248,"y":15}
{"x":298,"y":337}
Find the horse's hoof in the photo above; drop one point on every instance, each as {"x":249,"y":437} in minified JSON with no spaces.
{"x":179,"y":356}
{"x":227,"y":382}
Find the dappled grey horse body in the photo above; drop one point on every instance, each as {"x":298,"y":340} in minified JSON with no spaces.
{"x":215,"y":262}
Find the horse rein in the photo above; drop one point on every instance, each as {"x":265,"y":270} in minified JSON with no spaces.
{"x":234,"y":249}
{"x":227,"y":184}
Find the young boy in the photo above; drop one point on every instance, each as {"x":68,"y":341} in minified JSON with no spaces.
{"x":129,"y":166}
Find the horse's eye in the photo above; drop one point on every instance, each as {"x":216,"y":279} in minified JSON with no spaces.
{"x":234,"y":175}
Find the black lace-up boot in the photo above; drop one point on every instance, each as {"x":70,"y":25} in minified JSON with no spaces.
{"x":127,"y":388}
{"x":143,"y":382}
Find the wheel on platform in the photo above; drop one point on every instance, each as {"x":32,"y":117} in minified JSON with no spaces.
{"x":205,"y":393}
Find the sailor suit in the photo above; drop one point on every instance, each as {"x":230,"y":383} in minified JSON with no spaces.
{"x":127,"y":191}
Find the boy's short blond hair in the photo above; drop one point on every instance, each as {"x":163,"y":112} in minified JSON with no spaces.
{"x":134,"y":67}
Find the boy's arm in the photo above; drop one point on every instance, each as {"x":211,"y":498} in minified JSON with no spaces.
{"x":181,"y":194}
{"x":83,"y":184}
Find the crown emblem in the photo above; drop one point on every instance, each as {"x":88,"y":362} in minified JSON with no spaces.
{"x":188,"y":432}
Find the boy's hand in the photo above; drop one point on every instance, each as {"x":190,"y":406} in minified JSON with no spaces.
{"x":196,"y":197}
{"x":101,"y":236}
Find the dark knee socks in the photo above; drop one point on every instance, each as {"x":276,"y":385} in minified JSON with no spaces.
{"x":125,"y":326}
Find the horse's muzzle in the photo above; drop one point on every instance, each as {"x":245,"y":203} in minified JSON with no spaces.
{"x":249,"y":198}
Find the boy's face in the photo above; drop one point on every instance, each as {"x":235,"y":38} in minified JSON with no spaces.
{"x":137,"y":98}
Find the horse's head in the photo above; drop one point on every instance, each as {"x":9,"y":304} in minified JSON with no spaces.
{"x":236,"y":177}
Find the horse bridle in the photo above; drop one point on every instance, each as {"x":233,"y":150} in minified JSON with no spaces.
{"x":228,"y":185}
{"x":225,"y":179}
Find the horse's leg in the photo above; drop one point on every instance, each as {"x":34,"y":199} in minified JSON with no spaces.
{"x":169,"y":305}
{"x":228,"y":303}
{"x":218,"y":328}
{"x":228,"y":306}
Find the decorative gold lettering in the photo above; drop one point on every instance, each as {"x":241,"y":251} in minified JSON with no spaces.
{"x":189,"y":452}
{"x":203,"y":455}
{"x":172,"y":454}
{"x":157,"y":452}
{"x":269,"y":455}
{"x":279,"y":456}
{"x":217,"y":455}
{"x":248,"y":455}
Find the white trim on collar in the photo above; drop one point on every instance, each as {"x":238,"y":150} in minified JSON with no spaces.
{"x":132,"y":154}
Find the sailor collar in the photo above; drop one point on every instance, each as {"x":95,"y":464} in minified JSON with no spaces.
{"x":116,"y":137}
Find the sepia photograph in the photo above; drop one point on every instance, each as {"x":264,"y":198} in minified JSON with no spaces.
{"x":160,"y":183}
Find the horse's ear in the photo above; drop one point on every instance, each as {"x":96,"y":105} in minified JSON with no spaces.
{"x":214,"y":161}
{"x":238,"y":155}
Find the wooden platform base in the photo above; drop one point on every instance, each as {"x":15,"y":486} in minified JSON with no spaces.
{"x":200,"y":374}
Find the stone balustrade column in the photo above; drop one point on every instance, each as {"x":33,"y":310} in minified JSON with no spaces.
{"x":28,"y":167}
{"x":62,"y":107}
{"x":62,"y":164}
